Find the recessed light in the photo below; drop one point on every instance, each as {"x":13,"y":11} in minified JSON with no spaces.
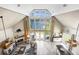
{"x":64,"y":5}
{"x":18,"y":5}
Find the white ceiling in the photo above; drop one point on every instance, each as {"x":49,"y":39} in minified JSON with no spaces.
{"x":27,"y":8}
{"x":10,"y":18}
{"x":64,"y":14}
{"x":55,"y":9}
{"x":70,"y":19}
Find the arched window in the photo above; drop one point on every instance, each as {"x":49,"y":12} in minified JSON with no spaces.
{"x":40,"y":19}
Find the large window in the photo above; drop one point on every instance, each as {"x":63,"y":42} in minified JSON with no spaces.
{"x":40,"y":19}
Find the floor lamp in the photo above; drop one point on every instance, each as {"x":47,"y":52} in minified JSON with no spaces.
{"x":3,"y":27}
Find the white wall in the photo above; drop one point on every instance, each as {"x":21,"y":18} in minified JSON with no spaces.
{"x":19,"y":25}
{"x":69,"y":30}
{"x":9,"y":33}
{"x":68,"y":33}
{"x":57,"y":27}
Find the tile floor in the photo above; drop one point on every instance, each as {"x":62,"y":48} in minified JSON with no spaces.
{"x":46,"y":48}
{"x":49,"y":48}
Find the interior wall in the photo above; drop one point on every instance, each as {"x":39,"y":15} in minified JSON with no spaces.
{"x":57,"y":26}
{"x":70,"y":30}
{"x":19,"y":25}
{"x":9,"y":33}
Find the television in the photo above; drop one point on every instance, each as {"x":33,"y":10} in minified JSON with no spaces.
{"x":18,"y":30}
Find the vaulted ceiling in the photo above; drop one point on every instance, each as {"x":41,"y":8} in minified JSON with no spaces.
{"x":70,"y":19}
{"x":55,"y":9}
{"x":68,"y":14}
{"x":9,"y":17}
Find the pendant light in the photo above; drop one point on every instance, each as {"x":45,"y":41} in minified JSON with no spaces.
{"x":3,"y":27}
